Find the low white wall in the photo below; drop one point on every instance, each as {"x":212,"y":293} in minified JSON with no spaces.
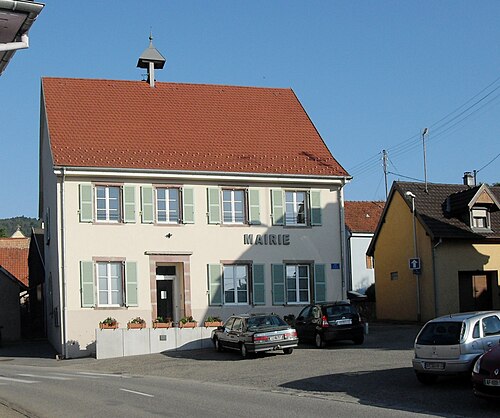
{"x":122,"y":342}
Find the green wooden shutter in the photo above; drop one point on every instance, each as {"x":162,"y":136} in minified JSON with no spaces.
{"x":129,"y":204}
{"x":315,"y":197}
{"x":131,"y":298}
{"x":213,"y":196}
{"x":277,"y":207}
{"x":319,"y":283}
{"x":259,"y":285}
{"x":87,"y":284}
{"x":278,"y":279}
{"x":215,"y":284}
{"x":86,"y":203}
{"x":147,"y":204}
{"x":188,"y":205}
{"x":253,"y":206}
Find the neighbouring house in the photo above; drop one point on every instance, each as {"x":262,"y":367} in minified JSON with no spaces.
{"x":443,"y":256}
{"x":13,"y":284}
{"x":361,"y":220}
{"x":16,"y":17}
{"x":178,"y":200}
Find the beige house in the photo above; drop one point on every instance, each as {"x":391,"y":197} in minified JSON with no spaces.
{"x":176,"y":200}
{"x":437,"y":251}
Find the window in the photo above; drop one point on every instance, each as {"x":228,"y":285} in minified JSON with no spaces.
{"x":233,"y":206}
{"x":167,"y":205}
{"x":109,"y":283}
{"x":235,"y":282}
{"x":491,"y":326}
{"x":108,"y":204}
{"x":394,"y":275}
{"x":369,"y":262}
{"x":480,"y":218}
{"x":295,"y":208}
{"x":297,"y":283}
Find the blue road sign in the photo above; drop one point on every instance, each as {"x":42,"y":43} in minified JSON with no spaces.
{"x":414,"y":263}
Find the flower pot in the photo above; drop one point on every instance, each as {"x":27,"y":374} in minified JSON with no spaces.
{"x":162,"y":325}
{"x":108,"y":326}
{"x":187,"y":325}
{"x":213,"y":323}
{"x":134,"y":325}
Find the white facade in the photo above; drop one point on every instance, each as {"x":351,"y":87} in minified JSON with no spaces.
{"x":360,"y":272}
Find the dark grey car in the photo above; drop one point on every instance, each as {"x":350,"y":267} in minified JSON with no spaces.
{"x":254,"y":334}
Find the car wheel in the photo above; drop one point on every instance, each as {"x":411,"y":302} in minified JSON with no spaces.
{"x":243,"y":351}
{"x":426,"y":379}
{"x":359,"y":340}
{"x":318,"y":341}
{"x":218,"y":345}
{"x":288,"y":350}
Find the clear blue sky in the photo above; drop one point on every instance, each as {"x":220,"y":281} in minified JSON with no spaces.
{"x":370,"y":74}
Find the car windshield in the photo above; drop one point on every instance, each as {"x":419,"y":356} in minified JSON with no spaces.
{"x":440,"y":333}
{"x":338,"y":310}
{"x":259,"y":322}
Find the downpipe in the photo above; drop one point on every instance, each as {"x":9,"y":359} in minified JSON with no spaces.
{"x":14,"y":46}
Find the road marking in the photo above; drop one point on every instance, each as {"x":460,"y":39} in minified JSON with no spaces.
{"x":75,"y":375}
{"x":44,"y":377}
{"x":104,"y":375}
{"x":138,"y":393}
{"x":12,"y":379}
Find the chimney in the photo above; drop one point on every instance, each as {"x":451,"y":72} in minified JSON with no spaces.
{"x":151,"y":59}
{"x":469,"y":179}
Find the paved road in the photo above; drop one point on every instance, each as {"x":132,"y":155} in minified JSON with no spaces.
{"x":376,"y":376}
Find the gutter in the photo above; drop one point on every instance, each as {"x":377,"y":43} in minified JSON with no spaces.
{"x":435,"y":278}
{"x":343,"y":256}
{"x":62,"y":287}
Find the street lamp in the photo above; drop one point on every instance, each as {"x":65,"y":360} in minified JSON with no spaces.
{"x":410,"y":195}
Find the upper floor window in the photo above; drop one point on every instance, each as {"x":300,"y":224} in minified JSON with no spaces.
{"x":295,"y":208}
{"x":167,"y":205}
{"x":233,"y":206}
{"x":108,"y":205}
{"x":480,"y":218}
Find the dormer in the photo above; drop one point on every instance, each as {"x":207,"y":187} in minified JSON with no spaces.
{"x":482,"y":204}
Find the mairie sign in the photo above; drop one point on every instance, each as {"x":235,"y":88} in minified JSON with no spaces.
{"x":266,"y":239}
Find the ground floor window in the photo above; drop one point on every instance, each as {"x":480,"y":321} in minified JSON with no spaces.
{"x":109,"y":283}
{"x":235,"y":282}
{"x":297,"y":283}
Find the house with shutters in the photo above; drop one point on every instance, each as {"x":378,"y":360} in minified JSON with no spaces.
{"x":177,"y":200}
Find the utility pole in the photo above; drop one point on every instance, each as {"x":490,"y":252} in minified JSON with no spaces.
{"x":384,"y":159}
{"x":424,"y":132}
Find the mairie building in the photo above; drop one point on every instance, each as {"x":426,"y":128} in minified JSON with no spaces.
{"x":178,"y":200}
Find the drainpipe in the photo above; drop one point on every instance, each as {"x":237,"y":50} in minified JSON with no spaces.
{"x":62,"y":287}
{"x":13,"y":46}
{"x":342,"y":239}
{"x":435,"y":277}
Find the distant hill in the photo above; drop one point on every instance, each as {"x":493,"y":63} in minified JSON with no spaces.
{"x":9,"y":226}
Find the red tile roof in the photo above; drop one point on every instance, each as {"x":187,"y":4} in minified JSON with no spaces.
{"x":363,"y":216}
{"x":193,"y":127}
{"x":14,"y":257}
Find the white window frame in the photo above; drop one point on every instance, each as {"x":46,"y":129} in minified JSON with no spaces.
{"x":480,"y":213}
{"x":167,"y":205}
{"x":296,"y":208}
{"x":297,"y":278}
{"x":109,"y":290}
{"x":107,"y":209}
{"x":234,"y":284}
{"x":232,"y":202}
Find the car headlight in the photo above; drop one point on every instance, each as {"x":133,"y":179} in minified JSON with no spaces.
{"x":477,"y":365}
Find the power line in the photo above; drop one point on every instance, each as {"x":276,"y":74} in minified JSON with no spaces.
{"x":477,"y":171}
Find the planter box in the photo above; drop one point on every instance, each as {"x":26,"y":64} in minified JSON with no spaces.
{"x":213,"y":324}
{"x":108,"y":326}
{"x":162,"y":325}
{"x":135,"y":326}
{"x":187,"y":325}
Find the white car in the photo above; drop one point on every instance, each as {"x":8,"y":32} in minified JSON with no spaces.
{"x":451,"y":344}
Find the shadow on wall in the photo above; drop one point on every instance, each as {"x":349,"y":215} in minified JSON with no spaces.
{"x":74,"y":351}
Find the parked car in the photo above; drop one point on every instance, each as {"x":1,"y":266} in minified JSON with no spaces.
{"x":451,"y":344}
{"x":330,"y":321}
{"x":254,"y":334}
{"x":486,"y":374}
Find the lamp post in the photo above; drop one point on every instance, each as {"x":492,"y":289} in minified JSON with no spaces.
{"x":410,"y":195}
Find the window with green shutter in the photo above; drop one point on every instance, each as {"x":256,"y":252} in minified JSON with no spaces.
{"x":215,"y":284}
{"x":278,"y":284}
{"x":87,"y":288}
{"x":319,"y":283}
{"x":259,"y":284}
{"x":86,"y":203}
{"x":315,"y":197}
{"x":213,"y":199}
{"x":254,"y":206}
{"x":188,"y":205}
{"x":278,"y":210}
{"x":147,"y":204}
{"x":129,"y":204}
{"x":131,"y":292}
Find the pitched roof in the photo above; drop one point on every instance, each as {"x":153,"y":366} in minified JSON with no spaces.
{"x":183,"y":127}
{"x":363,"y":216}
{"x":439,"y":209}
{"x":14,"y":257}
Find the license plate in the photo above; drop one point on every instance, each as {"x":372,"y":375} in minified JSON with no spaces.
{"x":492,"y":382}
{"x":344,"y":321}
{"x":275,"y":337}
{"x":434,"y":366}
